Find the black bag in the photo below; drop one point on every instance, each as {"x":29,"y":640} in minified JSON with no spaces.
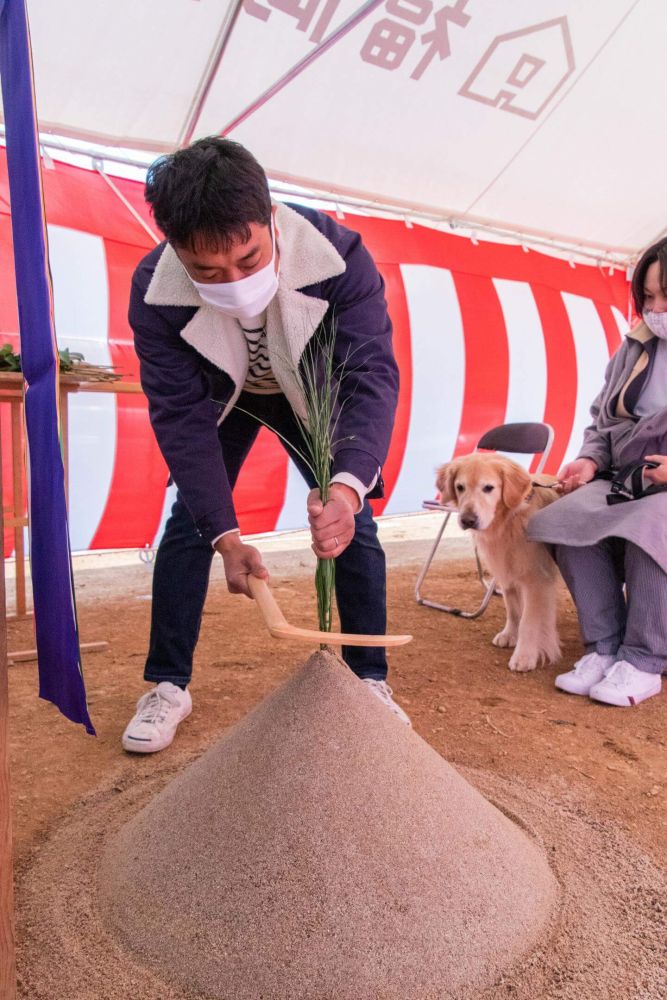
{"x":629,"y":483}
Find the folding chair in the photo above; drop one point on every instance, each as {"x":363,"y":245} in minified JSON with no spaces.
{"x":521,"y":438}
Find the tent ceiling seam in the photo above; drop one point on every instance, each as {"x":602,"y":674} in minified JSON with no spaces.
{"x":291,"y":74}
{"x":515,"y":156}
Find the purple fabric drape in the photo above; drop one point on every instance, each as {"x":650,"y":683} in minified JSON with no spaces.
{"x":60,"y":673}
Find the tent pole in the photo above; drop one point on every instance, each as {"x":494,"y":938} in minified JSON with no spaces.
{"x":131,"y":209}
{"x":352,"y":21}
{"x":206,"y":82}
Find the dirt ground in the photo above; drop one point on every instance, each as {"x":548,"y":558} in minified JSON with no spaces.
{"x":608,"y":763}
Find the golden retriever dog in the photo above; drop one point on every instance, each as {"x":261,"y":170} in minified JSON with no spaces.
{"x":495,"y":498}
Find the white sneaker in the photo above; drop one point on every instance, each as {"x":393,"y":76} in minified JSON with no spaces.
{"x":587,"y":671}
{"x":154,"y":724}
{"x":382,"y":691}
{"x":625,"y":685}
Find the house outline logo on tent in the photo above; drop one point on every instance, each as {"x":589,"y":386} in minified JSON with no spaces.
{"x":521,"y":77}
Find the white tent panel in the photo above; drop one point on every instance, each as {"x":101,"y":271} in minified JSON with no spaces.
{"x":438,"y":380}
{"x":592,"y":161}
{"x":81,"y":305}
{"x":124,"y":72}
{"x":528,"y":114}
{"x":592,"y":356}
{"x":527,"y":389}
{"x":378,"y":132}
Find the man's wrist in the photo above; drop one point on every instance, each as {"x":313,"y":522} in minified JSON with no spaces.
{"x":347,"y":493}
{"x":228,"y":542}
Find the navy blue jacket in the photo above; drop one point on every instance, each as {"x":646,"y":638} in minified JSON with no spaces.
{"x":193,"y":358}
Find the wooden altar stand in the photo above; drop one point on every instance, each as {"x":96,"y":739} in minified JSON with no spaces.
{"x":11,"y":408}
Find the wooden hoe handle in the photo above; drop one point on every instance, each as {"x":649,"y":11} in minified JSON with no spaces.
{"x":280,"y":628}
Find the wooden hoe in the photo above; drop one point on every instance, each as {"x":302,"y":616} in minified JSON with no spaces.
{"x":280,"y":628}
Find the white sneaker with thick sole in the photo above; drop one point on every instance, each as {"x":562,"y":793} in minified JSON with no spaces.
{"x":587,"y":671}
{"x":624,"y":686}
{"x":154,"y":724}
{"x":382,"y":691}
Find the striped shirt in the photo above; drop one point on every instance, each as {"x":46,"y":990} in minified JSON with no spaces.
{"x":260,"y":378}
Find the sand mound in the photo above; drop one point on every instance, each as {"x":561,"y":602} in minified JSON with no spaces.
{"x":607,"y":939}
{"x":323,"y":850}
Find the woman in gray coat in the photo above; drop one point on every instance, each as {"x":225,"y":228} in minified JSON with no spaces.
{"x":600,"y":546}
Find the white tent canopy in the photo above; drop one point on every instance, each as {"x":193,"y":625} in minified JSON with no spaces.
{"x":541,"y":116}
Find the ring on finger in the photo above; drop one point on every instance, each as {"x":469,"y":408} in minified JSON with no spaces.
{"x":337,"y":543}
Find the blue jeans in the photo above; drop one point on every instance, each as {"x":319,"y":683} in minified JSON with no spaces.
{"x":183,"y":561}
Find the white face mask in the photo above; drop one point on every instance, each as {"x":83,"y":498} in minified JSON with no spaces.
{"x":656,"y":322}
{"x":247,"y":298}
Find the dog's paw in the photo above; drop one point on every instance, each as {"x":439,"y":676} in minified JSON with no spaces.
{"x":520,"y":661}
{"x":506,"y":639}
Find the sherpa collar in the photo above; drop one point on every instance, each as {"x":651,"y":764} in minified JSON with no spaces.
{"x":306,"y":258}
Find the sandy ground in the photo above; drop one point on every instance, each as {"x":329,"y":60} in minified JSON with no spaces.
{"x":589,"y":781}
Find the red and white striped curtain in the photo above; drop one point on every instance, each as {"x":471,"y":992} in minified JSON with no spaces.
{"x":484,"y":333}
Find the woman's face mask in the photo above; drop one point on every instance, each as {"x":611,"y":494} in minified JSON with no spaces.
{"x":246,"y":298}
{"x":654,"y":312}
{"x":656,"y":322}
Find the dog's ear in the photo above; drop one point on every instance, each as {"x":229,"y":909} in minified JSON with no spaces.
{"x":445,"y":481}
{"x":516,"y":484}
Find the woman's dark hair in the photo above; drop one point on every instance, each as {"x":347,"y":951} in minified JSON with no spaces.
{"x":208,"y":193}
{"x":657,"y":252}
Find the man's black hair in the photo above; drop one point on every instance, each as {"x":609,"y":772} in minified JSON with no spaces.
{"x":656,"y":252}
{"x":208,"y":194}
